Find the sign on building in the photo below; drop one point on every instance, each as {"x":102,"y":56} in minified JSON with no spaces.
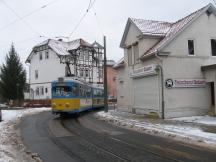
{"x":143,"y":71}
{"x":185,"y":83}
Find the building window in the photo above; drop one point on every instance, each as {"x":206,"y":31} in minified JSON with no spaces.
{"x":46,"y":90}
{"x":41,"y":90}
{"x":36,"y":74}
{"x":100,"y":73}
{"x":129,"y":53}
{"x":47,"y":55}
{"x":40,"y":56}
{"x":191,"y":47}
{"x":136,"y":53}
{"x":86,"y":73}
{"x":37,"y":91}
{"x":213,"y":46}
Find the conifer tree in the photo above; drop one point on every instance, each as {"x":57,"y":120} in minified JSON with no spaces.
{"x":12,"y":77}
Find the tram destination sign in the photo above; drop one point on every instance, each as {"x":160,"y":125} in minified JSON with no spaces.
{"x":185,"y":83}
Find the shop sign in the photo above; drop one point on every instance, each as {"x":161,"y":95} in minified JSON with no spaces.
{"x":185,"y":83}
{"x":143,"y":71}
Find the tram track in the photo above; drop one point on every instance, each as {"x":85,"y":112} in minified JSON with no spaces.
{"x":91,"y":144}
{"x":87,"y":139}
{"x":76,"y":130}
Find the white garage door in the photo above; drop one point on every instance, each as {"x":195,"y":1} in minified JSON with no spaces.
{"x":146,"y":93}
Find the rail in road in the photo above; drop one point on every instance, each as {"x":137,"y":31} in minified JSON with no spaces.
{"x":88,"y":139}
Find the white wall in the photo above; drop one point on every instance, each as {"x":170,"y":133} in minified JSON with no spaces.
{"x":189,"y":101}
{"x":145,"y":93}
{"x":48,"y":70}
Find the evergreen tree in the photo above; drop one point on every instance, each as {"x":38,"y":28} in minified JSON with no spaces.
{"x":12,"y":77}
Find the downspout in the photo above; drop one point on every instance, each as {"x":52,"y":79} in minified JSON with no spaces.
{"x":162,"y":84}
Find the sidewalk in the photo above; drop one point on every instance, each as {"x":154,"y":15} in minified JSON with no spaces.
{"x":200,"y":130}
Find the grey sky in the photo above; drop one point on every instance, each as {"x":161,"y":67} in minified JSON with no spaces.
{"x":60,"y":18}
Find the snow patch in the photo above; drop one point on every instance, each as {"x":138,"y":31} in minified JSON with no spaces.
{"x":11,"y":147}
{"x":208,"y":120}
{"x":172,"y":130}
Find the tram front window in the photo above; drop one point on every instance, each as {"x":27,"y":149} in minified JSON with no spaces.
{"x":63,"y":91}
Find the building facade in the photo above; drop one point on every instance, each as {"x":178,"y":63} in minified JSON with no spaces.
{"x":55,"y":58}
{"x":168,"y":69}
{"x":111,"y":80}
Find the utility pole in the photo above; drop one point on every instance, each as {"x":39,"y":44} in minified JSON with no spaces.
{"x":105,"y":77}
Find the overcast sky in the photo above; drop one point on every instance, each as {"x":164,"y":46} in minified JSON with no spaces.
{"x":60,"y":18}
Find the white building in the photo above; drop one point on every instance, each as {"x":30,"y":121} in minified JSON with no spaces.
{"x":169,"y":69}
{"x":45,"y":65}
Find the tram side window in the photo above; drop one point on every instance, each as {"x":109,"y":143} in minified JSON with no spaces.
{"x":88,"y":92}
{"x":82,"y":91}
{"x":98,"y":93}
{"x":95,"y":92}
{"x":75,"y":90}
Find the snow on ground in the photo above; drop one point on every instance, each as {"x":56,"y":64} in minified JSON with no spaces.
{"x":208,"y":120}
{"x":11,"y":147}
{"x":183,"y":131}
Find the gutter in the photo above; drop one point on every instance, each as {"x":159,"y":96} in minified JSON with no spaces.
{"x":160,"y":68}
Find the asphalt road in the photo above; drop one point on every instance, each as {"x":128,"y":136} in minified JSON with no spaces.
{"x":87,"y":139}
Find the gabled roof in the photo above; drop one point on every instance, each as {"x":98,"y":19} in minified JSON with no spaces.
{"x":98,"y":45}
{"x":166,"y":31}
{"x":60,"y":47}
{"x":119,"y":63}
{"x":146,"y":27}
{"x":178,"y":27}
{"x":150,"y":27}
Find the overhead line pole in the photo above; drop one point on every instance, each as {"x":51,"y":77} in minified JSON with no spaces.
{"x":105,"y":77}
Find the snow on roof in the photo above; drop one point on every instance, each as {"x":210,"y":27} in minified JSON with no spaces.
{"x":119,"y":63}
{"x":176,"y":28}
{"x":150,"y":27}
{"x":61,"y":47}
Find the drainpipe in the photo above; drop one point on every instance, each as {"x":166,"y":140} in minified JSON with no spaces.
{"x":160,"y":68}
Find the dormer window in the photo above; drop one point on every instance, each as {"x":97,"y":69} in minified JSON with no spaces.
{"x":191,"y":47}
{"x":40,"y":56}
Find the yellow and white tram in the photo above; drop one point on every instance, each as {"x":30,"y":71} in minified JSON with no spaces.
{"x":73,"y":96}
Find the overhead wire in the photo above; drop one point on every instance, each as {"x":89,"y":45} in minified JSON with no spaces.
{"x":82,"y":18}
{"x":28,"y":14}
{"x":15,"y":13}
{"x":98,"y":22}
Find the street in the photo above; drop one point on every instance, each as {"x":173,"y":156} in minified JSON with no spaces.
{"x":86,"y":138}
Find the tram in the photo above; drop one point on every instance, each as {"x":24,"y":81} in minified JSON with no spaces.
{"x":72,"y":96}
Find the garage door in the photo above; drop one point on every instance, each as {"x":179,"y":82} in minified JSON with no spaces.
{"x":146,"y":93}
